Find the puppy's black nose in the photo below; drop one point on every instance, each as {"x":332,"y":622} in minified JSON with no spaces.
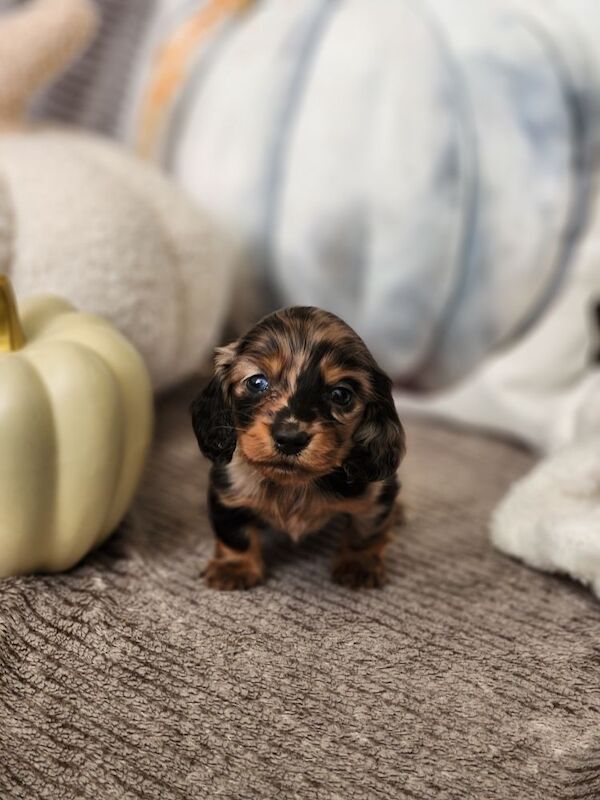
{"x":290,"y":441}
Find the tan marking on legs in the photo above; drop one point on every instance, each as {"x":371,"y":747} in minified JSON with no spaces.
{"x":231,"y":569}
{"x":360,"y":565}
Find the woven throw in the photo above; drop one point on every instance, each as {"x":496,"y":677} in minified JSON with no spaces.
{"x":468,"y":676}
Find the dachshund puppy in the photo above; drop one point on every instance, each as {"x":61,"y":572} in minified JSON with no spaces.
{"x":301,"y":426}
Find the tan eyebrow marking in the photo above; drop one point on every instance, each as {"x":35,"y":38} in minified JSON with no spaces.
{"x":336,"y":373}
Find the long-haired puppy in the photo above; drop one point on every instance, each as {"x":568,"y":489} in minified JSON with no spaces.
{"x":301,"y":426}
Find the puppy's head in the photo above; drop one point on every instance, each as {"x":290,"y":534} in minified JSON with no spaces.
{"x":300,"y":396}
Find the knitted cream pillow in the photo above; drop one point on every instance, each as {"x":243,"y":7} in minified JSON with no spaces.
{"x":94,"y":224}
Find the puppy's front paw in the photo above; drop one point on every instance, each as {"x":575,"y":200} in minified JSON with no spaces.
{"x":366,"y":572}
{"x":231,"y":575}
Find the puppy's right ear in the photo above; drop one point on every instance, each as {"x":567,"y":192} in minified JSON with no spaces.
{"x":212,"y":417}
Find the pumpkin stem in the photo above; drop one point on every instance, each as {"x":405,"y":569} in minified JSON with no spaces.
{"x":11,"y":332}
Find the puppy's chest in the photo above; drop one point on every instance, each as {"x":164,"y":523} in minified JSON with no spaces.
{"x":295,"y":510}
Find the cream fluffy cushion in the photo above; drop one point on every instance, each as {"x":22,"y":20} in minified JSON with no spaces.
{"x":550,"y":519}
{"x":86,"y":220}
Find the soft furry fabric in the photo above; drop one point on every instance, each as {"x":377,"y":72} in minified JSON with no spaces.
{"x":551,"y":518}
{"x":468,"y":676}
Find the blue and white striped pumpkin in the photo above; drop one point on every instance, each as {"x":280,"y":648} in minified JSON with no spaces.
{"x":421,"y":167}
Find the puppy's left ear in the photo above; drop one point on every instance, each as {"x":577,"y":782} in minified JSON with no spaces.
{"x":379,"y":441}
{"x":212,"y":414}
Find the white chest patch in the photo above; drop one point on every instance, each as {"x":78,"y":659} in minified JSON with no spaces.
{"x":295,"y":510}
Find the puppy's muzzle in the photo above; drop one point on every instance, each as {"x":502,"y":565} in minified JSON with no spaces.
{"x":289,"y":440}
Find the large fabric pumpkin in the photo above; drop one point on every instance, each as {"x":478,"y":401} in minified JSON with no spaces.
{"x":421,"y":167}
{"x":75,"y":425}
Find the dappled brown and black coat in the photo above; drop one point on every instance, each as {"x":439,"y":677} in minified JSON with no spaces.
{"x":301,"y":426}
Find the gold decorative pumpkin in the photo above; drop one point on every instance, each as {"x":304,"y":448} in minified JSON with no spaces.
{"x":75,"y":425}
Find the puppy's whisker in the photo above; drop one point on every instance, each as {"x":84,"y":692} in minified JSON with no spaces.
{"x":228,"y":428}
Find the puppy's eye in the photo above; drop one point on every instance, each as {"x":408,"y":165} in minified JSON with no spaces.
{"x":340,"y":396}
{"x":257,"y":384}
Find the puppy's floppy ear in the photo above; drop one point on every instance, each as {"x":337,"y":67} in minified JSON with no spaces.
{"x":379,"y":441}
{"x":212,"y":414}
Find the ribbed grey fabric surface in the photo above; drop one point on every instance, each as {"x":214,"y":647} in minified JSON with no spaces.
{"x":468,"y":676}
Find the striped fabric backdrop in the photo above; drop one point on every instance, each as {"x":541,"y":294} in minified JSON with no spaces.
{"x":94,"y":90}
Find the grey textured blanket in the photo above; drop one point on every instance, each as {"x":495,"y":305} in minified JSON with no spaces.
{"x":467,"y":677}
